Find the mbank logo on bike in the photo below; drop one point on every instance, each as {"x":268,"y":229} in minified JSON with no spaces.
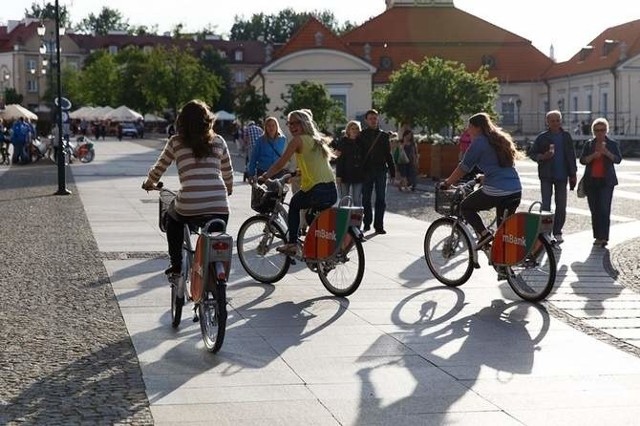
{"x":325,"y":235}
{"x":512,"y":239}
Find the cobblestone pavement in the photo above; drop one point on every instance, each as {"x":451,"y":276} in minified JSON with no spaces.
{"x":66,"y":355}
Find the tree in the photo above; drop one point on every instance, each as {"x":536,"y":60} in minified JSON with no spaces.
{"x":251,"y":105}
{"x":436,"y":94}
{"x":314,"y":96}
{"x":279,"y":28}
{"x":212,"y":61}
{"x":108,"y":20}
{"x":99,"y":81}
{"x":47,"y":11}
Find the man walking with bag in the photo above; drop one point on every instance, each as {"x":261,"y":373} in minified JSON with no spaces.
{"x":556,"y":157}
{"x":377,"y":160}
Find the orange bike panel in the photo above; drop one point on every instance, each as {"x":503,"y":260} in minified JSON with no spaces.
{"x":326,"y":233}
{"x":198,"y":270}
{"x":515,"y":238}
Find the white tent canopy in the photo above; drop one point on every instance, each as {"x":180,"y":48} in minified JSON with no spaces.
{"x":15,"y":111}
{"x":83,"y":113}
{"x":123,"y":113}
{"x":223,"y":115}
{"x":152,"y":118}
{"x":98,"y":113}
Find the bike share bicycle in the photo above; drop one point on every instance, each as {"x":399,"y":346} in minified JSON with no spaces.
{"x":332,"y":246}
{"x":204,"y":274}
{"x":521,"y":251}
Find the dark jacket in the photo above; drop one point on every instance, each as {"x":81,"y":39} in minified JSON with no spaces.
{"x":349,"y":165}
{"x":610,"y":177}
{"x":541,"y":146}
{"x":377,"y":152}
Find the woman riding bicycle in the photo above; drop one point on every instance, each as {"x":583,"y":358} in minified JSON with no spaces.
{"x":494,"y":152}
{"x":318,"y":183}
{"x":205,"y":173}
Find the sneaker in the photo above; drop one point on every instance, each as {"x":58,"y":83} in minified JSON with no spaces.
{"x":366,"y":228}
{"x":558,"y":238}
{"x":380,"y":231}
{"x":173,"y":270}
{"x":289,"y":249}
{"x":484,"y":239}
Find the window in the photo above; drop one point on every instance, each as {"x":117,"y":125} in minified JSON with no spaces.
{"x":113,"y":50}
{"x":32,"y":64}
{"x":238,"y":55}
{"x":239,"y":76}
{"x":604,"y":108}
{"x":342,"y":100}
{"x":32,"y":86}
{"x":589,"y":102}
{"x":508,"y":113}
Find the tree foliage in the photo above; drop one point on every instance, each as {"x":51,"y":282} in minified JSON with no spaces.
{"x":107,"y":20}
{"x":47,"y":11}
{"x":215,"y":63}
{"x":251,"y":105}
{"x":436,"y":94}
{"x":314,"y":96}
{"x":278,"y":28}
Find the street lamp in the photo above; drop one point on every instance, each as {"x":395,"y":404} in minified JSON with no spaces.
{"x":518,"y":105}
{"x":59,"y":104}
{"x":4,"y":80}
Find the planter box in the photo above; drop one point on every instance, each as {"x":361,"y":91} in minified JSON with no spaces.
{"x":444,"y":160}
{"x":424,"y":160}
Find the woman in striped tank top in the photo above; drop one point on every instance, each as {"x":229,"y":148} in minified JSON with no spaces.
{"x":204,"y":170}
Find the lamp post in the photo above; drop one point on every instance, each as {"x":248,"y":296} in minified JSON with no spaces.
{"x":4,"y":80}
{"x":59,"y":102}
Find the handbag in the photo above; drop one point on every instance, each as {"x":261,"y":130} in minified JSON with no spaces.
{"x":402,"y":156}
{"x":581,"y":190}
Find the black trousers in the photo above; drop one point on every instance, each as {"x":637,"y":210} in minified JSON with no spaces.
{"x":478,"y":201}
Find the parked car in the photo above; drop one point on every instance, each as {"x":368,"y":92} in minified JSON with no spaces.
{"x":128,"y":129}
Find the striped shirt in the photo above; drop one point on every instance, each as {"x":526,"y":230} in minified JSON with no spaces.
{"x":204,"y":182}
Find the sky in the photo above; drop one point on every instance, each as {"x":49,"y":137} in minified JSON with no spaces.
{"x":567,"y":24}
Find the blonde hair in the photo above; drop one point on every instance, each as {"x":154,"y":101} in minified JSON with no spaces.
{"x":309,"y":127}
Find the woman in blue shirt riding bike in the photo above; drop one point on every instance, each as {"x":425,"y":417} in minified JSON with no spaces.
{"x":494,"y":152}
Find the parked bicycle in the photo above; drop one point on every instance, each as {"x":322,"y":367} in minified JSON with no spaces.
{"x":203,"y":279}
{"x":331,"y":246}
{"x":521,"y":251}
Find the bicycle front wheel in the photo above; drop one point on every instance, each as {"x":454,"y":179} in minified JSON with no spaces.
{"x":534,"y":277}
{"x":212,"y":312}
{"x":448,"y":252}
{"x":342,"y":274}
{"x":257,"y":241}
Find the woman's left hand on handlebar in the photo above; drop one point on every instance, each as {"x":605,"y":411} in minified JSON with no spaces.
{"x":147,"y":185}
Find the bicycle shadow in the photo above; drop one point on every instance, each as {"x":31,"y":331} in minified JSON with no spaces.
{"x":448,"y":361}
{"x":257,"y":335}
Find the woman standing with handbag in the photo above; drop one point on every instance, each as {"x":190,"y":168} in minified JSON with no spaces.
{"x":599,"y":155}
{"x":349,"y":164}
{"x":267,"y":150}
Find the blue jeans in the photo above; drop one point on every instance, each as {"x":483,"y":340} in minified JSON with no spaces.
{"x":559,"y":188}
{"x":18,"y":156}
{"x":352,"y":189}
{"x":599,"y":197}
{"x":379,"y":183}
{"x":320,"y":197}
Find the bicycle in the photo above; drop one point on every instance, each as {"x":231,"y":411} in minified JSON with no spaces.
{"x":330,"y":247}
{"x":4,"y":153}
{"x":521,"y":250}
{"x":203,"y":278}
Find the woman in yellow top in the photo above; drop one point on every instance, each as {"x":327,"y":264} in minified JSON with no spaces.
{"x":318,"y":183}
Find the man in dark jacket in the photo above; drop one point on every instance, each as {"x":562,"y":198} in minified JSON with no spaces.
{"x":377,"y":160}
{"x":555,"y":153}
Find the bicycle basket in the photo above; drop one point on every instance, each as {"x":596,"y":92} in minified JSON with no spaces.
{"x":263,"y":200}
{"x":166,"y":198}
{"x":447,"y":201}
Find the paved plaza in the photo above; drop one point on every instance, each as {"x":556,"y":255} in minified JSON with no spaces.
{"x":89,"y":339}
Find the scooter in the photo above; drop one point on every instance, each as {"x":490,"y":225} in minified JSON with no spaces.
{"x":39,"y":149}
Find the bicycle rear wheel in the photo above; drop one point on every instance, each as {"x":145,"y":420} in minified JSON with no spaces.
{"x":342,"y":274}
{"x":212,"y":312}
{"x":257,"y":242}
{"x":448,"y":252}
{"x":534,"y":277}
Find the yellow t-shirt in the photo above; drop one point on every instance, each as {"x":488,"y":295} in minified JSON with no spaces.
{"x":314,"y":166}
